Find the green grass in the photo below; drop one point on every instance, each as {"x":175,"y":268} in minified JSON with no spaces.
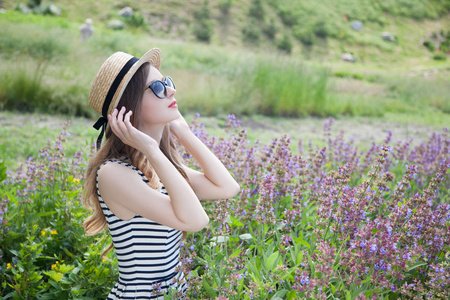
{"x":23,"y":135}
{"x":323,"y":21}
{"x":211,"y":80}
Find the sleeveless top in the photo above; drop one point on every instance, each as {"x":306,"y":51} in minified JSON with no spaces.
{"x":147,"y":254}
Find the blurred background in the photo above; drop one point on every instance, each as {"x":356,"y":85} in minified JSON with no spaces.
{"x":276,"y":64}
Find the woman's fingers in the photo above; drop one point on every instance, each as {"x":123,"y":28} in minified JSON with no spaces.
{"x":120,"y":120}
{"x":127,"y":120}
{"x":115,"y":120}
{"x":121,"y":124}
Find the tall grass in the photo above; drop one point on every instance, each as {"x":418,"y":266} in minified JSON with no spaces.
{"x":48,"y":69}
{"x":289,"y":88}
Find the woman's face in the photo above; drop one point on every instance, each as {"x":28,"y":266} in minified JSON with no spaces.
{"x":156,"y":111}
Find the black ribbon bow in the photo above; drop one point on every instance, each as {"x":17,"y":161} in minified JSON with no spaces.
{"x":103,"y":121}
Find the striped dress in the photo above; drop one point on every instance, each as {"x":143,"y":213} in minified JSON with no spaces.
{"x":147,"y":253}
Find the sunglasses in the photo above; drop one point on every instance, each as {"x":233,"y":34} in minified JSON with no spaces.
{"x":158,"y":87}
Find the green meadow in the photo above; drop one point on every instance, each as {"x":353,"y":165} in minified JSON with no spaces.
{"x":46,"y":68}
{"x":343,"y":210}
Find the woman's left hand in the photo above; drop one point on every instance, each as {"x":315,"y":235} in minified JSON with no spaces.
{"x":178,"y":125}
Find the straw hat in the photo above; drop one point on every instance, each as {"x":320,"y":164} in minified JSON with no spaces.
{"x":111,"y":81}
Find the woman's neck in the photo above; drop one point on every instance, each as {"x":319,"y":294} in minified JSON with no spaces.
{"x":154,"y":131}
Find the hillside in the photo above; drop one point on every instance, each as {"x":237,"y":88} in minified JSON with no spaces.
{"x":312,"y":29}
{"x":234,"y":71}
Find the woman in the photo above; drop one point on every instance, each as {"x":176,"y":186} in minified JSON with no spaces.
{"x":137,"y":183}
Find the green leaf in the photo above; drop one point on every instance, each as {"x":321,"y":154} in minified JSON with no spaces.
{"x":2,"y":171}
{"x":289,"y":274}
{"x":270,"y":262}
{"x":368,"y":278}
{"x":291,"y":295}
{"x":303,"y":242}
{"x":333,"y":289}
{"x":312,"y":265}
{"x":43,"y":214}
{"x":416,"y":265}
{"x":286,"y":200}
{"x":279,"y":295}
{"x":56,"y":276}
{"x":254,"y":272}
{"x":66,"y":268}
{"x":348,"y":296}
{"x":299,"y":258}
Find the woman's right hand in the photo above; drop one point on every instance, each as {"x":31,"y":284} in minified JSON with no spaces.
{"x":127,"y":133}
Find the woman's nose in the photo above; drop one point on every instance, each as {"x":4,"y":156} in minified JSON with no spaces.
{"x":170,"y":91}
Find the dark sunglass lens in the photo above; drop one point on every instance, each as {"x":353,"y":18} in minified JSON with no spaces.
{"x":158,"y":88}
{"x":169,"y":82}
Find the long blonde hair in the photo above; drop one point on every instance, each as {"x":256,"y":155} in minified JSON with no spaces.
{"x":114,"y":148}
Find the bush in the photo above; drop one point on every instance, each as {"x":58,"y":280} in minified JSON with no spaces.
{"x":270,"y":29}
{"x":285,"y":44}
{"x":44,"y":252}
{"x":203,"y":29}
{"x":251,"y":32}
{"x":225,"y":5}
{"x":320,"y":29}
{"x":429,"y":45}
{"x":256,"y":10}
{"x":440,"y":56}
{"x":287,"y":15}
{"x":305,"y":36}
{"x":136,"y":21}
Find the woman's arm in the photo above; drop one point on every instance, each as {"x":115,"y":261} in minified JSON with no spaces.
{"x":181,"y":209}
{"x":215,"y":182}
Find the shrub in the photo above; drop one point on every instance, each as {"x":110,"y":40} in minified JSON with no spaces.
{"x":287,"y":15}
{"x":203,"y":29}
{"x":34,"y":3}
{"x":225,"y":5}
{"x":270,"y":29}
{"x":285,"y":44}
{"x":440,"y":56}
{"x":44,"y":252}
{"x":429,"y":45}
{"x":305,"y":36}
{"x":251,"y":32}
{"x":137,"y":20}
{"x":320,"y":29}
{"x":256,"y":10}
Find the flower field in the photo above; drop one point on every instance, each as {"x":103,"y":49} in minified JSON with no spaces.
{"x":329,"y":222}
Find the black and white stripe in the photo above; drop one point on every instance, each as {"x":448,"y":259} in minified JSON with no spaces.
{"x":147,"y":253}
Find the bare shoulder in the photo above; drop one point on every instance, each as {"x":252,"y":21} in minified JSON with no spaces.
{"x":115,"y":175}
{"x":114,"y":168}
{"x":117,"y":182}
